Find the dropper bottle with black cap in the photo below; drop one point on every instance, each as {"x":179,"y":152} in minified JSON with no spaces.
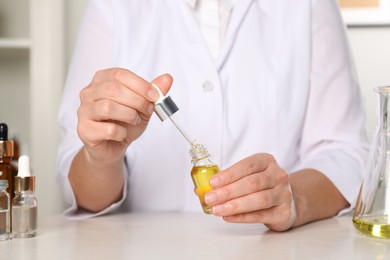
{"x":7,"y":170}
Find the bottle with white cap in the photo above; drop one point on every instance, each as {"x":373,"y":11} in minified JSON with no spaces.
{"x":24,"y":204}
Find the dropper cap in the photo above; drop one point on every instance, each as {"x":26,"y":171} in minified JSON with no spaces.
{"x":164,"y":106}
{"x":24,"y":181}
{"x":6,"y":146}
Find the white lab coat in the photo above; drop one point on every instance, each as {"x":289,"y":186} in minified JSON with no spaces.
{"x":283,"y":83}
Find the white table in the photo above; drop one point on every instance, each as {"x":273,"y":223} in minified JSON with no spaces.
{"x":190,"y":236}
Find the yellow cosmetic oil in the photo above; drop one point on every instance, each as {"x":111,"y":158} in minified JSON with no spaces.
{"x":201,"y":177}
{"x":376,"y":226}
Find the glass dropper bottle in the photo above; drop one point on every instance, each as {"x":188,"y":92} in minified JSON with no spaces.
{"x":25,"y":204}
{"x":203,"y":166}
{"x":7,"y":168}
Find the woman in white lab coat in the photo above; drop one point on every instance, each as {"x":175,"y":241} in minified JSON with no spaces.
{"x":267,"y":86}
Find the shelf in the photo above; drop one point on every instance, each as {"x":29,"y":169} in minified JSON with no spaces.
{"x":14,"y":47}
{"x":31,"y":79}
{"x":15,"y":43}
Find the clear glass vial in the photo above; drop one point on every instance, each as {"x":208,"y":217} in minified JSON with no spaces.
{"x":203,"y":169}
{"x":5,"y":231}
{"x":24,"y":204}
{"x":372,"y":211}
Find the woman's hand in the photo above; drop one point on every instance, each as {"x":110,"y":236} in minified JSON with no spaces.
{"x":254,"y":190}
{"x":115,"y":110}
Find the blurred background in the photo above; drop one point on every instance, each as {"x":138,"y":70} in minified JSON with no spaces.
{"x":36,"y":43}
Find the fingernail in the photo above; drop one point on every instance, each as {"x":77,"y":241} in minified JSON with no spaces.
{"x":215,"y":182}
{"x":210,"y":198}
{"x":218,"y":209}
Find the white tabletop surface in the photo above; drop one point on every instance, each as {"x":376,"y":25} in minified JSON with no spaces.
{"x":190,"y":236}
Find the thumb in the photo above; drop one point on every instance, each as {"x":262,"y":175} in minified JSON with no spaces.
{"x":163,"y":82}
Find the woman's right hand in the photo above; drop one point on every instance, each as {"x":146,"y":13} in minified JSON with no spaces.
{"x":115,"y":109}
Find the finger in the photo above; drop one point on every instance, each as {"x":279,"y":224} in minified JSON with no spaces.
{"x":254,"y":202}
{"x":245,"y":167}
{"x":277,"y":218}
{"x":115,"y":92}
{"x":244,"y":186}
{"x":164,"y":82}
{"x":128,"y":79}
{"x":104,"y":110}
{"x":93,"y":133}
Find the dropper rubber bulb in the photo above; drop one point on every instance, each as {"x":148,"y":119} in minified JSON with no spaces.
{"x":24,"y":166}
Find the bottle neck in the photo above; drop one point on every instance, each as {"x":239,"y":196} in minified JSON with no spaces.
{"x":6,"y":150}
{"x":24,"y":193}
{"x":5,"y":160}
{"x":200,"y":155}
{"x":203,"y":161}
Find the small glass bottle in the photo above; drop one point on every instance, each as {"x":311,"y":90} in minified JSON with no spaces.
{"x":5,"y":232}
{"x":25,"y":204}
{"x":204,"y":168}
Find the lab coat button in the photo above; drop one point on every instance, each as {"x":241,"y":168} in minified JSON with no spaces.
{"x":208,"y":86}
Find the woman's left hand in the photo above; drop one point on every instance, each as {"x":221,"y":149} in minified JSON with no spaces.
{"x":254,"y":190}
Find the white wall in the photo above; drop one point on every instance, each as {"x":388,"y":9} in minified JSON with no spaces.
{"x":371,"y":50}
{"x":74,"y":10}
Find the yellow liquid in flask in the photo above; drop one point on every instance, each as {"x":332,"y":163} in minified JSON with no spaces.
{"x":201,"y":177}
{"x":376,"y":226}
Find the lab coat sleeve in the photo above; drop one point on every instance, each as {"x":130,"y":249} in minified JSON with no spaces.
{"x":92,"y":52}
{"x":334,"y":140}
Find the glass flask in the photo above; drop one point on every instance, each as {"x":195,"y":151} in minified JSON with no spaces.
{"x":204,"y":168}
{"x":372,"y":211}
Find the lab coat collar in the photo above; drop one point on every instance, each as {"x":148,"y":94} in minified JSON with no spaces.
{"x":228,"y":3}
{"x":234,"y":23}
